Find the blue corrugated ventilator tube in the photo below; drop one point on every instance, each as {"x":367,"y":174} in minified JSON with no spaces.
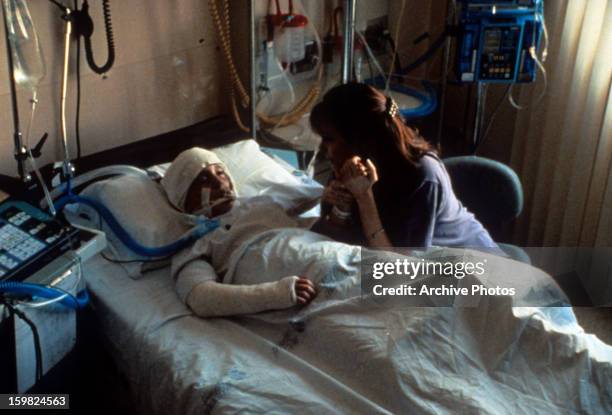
{"x":200,"y":230}
{"x":41,"y":291}
{"x":82,"y":298}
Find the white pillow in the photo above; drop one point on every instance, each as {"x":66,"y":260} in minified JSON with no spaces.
{"x":140,"y":206}
{"x":256,"y":173}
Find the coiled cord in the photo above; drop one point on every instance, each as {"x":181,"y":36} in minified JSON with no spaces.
{"x":109,"y":40}
{"x":236,"y":86}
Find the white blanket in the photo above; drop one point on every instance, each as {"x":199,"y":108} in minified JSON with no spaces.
{"x":347,"y":354}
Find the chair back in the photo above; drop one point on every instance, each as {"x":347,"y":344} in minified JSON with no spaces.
{"x":489,"y":189}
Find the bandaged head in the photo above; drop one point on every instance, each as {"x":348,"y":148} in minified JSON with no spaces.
{"x":185,"y":168}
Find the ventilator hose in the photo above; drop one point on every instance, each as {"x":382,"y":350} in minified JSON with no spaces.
{"x":236,"y":85}
{"x":127,"y":239}
{"x":42,"y":291}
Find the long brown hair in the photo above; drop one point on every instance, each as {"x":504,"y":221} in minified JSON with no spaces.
{"x":360,"y":113}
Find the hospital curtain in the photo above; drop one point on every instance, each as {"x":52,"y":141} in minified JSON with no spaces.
{"x":562,"y":145}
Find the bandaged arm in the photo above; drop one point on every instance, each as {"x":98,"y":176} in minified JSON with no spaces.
{"x":197,"y":287}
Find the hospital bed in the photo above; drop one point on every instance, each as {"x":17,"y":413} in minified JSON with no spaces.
{"x":338,"y":355}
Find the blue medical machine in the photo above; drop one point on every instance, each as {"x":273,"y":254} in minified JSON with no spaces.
{"x":498,"y":40}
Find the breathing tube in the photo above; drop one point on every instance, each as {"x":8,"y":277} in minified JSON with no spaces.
{"x":200,"y":230}
{"x":36,"y":290}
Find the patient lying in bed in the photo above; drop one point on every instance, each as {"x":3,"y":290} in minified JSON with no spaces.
{"x":198,"y":183}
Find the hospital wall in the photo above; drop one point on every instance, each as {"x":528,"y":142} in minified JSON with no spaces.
{"x":167,"y":74}
{"x":459,"y":122}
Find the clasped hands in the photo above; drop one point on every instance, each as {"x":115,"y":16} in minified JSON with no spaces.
{"x":355,"y":182}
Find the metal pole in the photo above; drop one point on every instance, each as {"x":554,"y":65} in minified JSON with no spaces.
{"x":68,"y":169}
{"x":20,"y":151}
{"x":349,"y":41}
{"x":450,"y":19}
{"x":253,"y":62}
{"x":481,"y":99}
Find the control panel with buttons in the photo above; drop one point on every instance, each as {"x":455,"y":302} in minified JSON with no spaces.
{"x":30,"y":238}
{"x":498,"y":42}
{"x":498,"y":56}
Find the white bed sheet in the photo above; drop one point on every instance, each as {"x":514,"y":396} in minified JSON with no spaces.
{"x":342,"y":358}
{"x":177,"y":363}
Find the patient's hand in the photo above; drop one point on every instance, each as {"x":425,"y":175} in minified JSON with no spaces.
{"x":305,"y":291}
{"x":336,"y":194}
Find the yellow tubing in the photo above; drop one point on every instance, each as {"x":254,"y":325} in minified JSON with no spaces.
{"x":237,"y":87}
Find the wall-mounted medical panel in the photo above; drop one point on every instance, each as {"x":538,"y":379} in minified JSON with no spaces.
{"x":498,"y":41}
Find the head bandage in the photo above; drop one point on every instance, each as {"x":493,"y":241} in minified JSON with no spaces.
{"x":184,"y":170}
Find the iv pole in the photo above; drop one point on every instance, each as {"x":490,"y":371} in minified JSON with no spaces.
{"x":451,"y":18}
{"x":20,"y":151}
{"x":253,"y":67}
{"x":349,"y":41}
{"x":68,"y":169}
{"x":68,"y":17}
